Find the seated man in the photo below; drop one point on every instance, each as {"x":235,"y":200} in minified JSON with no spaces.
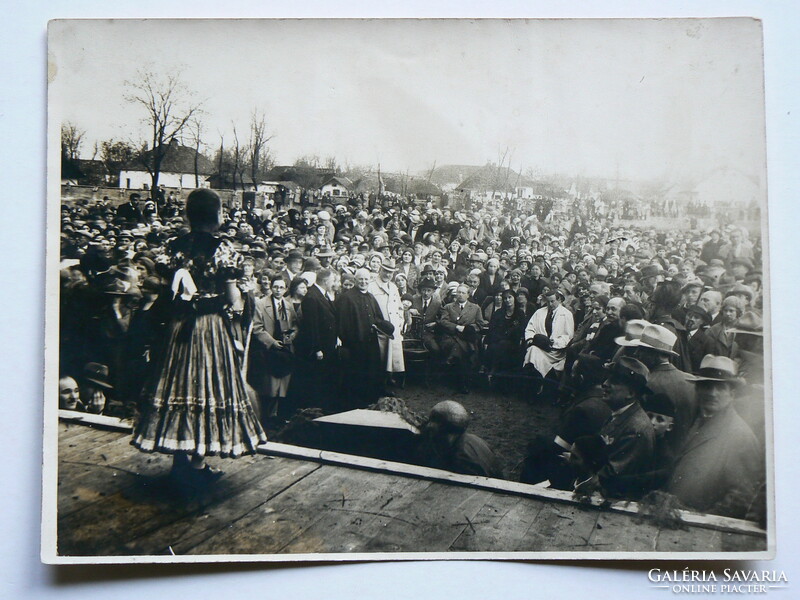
{"x":95,"y":387}
{"x":655,"y":349}
{"x":719,"y":467}
{"x":547,"y":335}
{"x":628,"y":434}
{"x":661,"y":413}
{"x":69,"y":395}
{"x":426,"y":305}
{"x":445,"y":444}
{"x":585,"y":416}
{"x":462,"y":322}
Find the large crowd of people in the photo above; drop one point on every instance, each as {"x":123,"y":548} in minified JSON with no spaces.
{"x":209,"y":324}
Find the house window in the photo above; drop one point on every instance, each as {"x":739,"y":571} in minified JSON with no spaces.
{"x":128,"y":183}
{"x":335,"y":192}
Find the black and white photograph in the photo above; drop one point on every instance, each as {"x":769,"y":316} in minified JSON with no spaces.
{"x":407,"y":289}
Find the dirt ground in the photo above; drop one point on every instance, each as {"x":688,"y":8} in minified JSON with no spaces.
{"x":506,"y":421}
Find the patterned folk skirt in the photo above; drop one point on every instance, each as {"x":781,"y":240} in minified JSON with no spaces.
{"x":198,"y":402}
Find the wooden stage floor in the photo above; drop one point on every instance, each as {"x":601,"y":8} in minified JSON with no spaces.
{"x":116,"y":501}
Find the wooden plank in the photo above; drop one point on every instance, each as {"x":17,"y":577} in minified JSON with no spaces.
{"x":429,"y":518}
{"x":533,"y":491}
{"x":67,"y":430}
{"x":561,"y":528}
{"x":77,"y":447}
{"x":278,"y":520}
{"x":81,"y":485}
{"x":738,"y":542}
{"x":693,"y":539}
{"x":500,"y":524}
{"x":92,"y":419}
{"x":141,"y":504}
{"x":180,"y":536}
{"x":101,"y":470}
{"x":78,"y":436}
{"x":614,"y":532}
{"x":353,"y":515}
{"x":110,"y":503}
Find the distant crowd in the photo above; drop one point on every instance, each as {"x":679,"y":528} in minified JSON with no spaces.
{"x":650,"y":342}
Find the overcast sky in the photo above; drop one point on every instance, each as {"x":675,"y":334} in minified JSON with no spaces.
{"x":668,"y":98}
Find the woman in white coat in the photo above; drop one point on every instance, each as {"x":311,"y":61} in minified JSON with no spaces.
{"x":388,"y":297}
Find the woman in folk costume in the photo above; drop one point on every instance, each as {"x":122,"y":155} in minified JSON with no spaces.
{"x":198,"y":403}
{"x":547,"y":335}
{"x":388,"y":297}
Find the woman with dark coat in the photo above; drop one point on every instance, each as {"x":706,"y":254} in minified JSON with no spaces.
{"x":504,"y":339}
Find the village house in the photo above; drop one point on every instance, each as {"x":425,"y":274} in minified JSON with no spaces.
{"x":336,"y":187}
{"x":178,"y":170}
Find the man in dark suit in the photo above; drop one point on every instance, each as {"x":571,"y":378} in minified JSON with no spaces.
{"x":360,"y":322}
{"x":629,"y":434}
{"x":719,"y":469}
{"x":697,"y":323}
{"x":427,"y":306}
{"x":317,"y":340}
{"x":461,"y":322}
{"x":274,"y":329}
{"x":446,"y":444}
{"x":719,"y":339}
{"x":667,"y":382}
{"x":131,"y":211}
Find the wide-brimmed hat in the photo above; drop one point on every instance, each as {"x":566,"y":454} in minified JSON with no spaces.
{"x":388,"y":264}
{"x":151,"y":285}
{"x":658,"y":403}
{"x":120,"y":287}
{"x":385,"y":327}
{"x":740,"y":288}
{"x":649,"y":271}
{"x":658,"y":338}
{"x":97,"y":374}
{"x":294,"y":255}
{"x":692,"y":283}
{"x":717,"y":368}
{"x":631,"y":370}
{"x":427,"y":282}
{"x":633,"y":332}
{"x":701,"y":312}
{"x":749,"y":323}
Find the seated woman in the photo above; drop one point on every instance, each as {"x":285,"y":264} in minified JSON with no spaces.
{"x":503,"y":342}
{"x":524,"y":305}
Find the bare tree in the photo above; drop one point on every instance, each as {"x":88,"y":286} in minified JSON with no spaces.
{"x":169,"y":107}
{"x":307,"y":160}
{"x":71,"y":140}
{"x":220,"y":160}
{"x":332,"y":165}
{"x":432,"y":171}
{"x":239,"y":159}
{"x":195,"y":135}
{"x":257,"y":146}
